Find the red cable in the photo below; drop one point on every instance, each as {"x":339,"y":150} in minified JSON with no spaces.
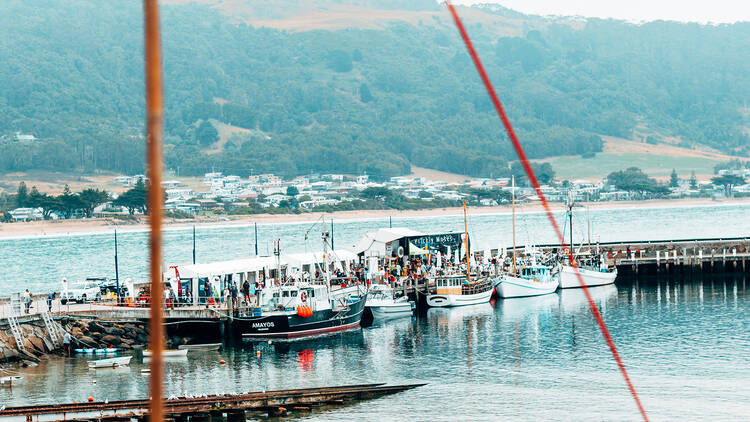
{"x":532,"y":177}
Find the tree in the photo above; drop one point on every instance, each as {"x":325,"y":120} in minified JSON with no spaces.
{"x":92,"y":198}
{"x":69,"y":203}
{"x":376,"y":192}
{"x":634,"y":179}
{"x":693,"y":180}
{"x":133,"y":199}
{"x":47,"y":203}
{"x":339,"y":61}
{"x":729,"y":181}
{"x":22,"y":197}
{"x":423,"y":194}
{"x":292,"y":191}
{"x":206,"y":134}
{"x":364,"y":93}
{"x":673,"y":180}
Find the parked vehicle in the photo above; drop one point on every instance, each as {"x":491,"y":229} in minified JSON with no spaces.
{"x":81,"y":292}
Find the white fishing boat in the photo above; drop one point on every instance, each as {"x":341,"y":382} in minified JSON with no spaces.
{"x":200,"y":347}
{"x":592,"y":274}
{"x":456,"y":290}
{"x":167,"y":353}
{"x":110,"y":363}
{"x":383,"y":304}
{"x":533,"y":280}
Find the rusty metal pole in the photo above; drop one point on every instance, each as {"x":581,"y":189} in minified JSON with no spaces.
{"x":154,"y":128}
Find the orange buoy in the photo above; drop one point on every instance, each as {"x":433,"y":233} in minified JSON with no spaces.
{"x":258,"y":354}
{"x":222,"y":362}
{"x":91,"y":399}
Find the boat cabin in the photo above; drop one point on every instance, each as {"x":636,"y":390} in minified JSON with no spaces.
{"x":289,"y":297}
{"x":535,"y":273}
{"x":450,"y":285}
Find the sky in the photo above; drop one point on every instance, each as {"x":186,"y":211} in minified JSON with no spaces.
{"x":715,"y":11}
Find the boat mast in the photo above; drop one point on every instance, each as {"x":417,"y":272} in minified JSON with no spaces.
{"x":570,"y":215}
{"x":466,"y":245}
{"x":513,"y":199}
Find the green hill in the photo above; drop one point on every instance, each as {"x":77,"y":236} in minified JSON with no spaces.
{"x":355,"y":86}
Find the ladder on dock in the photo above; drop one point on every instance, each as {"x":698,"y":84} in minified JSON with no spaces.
{"x":52,"y":329}
{"x":15,"y":329}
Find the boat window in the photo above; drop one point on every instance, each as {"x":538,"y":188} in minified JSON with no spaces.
{"x":294,"y":293}
{"x":275,"y":294}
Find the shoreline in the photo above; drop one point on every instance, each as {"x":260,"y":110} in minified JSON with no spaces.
{"x":55,"y":228}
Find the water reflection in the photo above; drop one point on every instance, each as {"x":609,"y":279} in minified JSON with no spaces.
{"x":686,"y":353}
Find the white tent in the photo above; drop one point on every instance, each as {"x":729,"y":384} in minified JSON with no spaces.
{"x":373,"y":243}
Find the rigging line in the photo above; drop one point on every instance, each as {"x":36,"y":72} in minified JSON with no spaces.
{"x":532,"y":178}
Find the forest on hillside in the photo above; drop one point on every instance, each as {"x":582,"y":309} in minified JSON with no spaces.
{"x":354,"y":100}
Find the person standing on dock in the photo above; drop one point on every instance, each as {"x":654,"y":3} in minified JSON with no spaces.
{"x":50,"y":298}
{"x":27,"y":300}
{"x":234,"y":292}
{"x":246,"y":292}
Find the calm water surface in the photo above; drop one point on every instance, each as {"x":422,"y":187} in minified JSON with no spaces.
{"x":686,"y":346}
{"x":39,"y":263}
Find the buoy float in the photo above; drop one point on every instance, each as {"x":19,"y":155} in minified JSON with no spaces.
{"x":258,"y":354}
{"x":222,"y":362}
{"x":91,"y":399}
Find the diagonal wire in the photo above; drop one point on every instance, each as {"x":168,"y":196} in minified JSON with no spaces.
{"x":532,"y":178}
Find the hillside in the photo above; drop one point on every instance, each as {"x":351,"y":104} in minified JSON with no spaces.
{"x":299,"y":86}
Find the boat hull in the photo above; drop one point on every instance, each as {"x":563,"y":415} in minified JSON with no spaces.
{"x":519,"y":287}
{"x":167,"y":353}
{"x":289,"y":326}
{"x":391,"y":310}
{"x":451,"y":300}
{"x":200,"y":347}
{"x":110,"y":363}
{"x":567,"y":277}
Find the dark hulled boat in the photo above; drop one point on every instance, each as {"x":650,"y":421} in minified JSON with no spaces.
{"x":302,"y":310}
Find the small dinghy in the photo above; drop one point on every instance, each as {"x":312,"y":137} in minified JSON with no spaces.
{"x":108,"y":351}
{"x":110,"y":363}
{"x":200,"y":347}
{"x":10,"y":379}
{"x":167,"y":353}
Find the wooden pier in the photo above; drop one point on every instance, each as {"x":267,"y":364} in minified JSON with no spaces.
{"x":233,"y":407}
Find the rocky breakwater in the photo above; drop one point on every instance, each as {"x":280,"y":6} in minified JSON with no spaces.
{"x":88,"y":333}
{"x":102,"y":333}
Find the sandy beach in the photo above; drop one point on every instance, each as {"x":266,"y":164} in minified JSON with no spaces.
{"x":98,"y":225}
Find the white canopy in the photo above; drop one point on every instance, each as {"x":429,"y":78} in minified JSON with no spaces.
{"x":373,"y":243}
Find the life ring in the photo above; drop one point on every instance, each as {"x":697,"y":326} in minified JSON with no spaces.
{"x":303,"y":297}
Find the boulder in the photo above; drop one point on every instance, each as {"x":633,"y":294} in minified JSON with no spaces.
{"x":110,"y":339}
{"x":87,"y":341}
{"x":141,"y":339}
{"x":95,"y":326}
{"x":38,"y":344}
{"x":76,"y":332}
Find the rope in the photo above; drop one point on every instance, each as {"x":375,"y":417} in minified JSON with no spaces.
{"x":532,"y":178}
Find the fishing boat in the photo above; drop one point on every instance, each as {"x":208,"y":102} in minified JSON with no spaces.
{"x":200,"y":347}
{"x":303,"y":309}
{"x":593,"y":268}
{"x":592,"y":273}
{"x":167,"y":353}
{"x":92,"y":351}
{"x":295,"y":308}
{"x":457,"y":290}
{"x":110,"y":363}
{"x":533,"y":280}
{"x":383,"y":304}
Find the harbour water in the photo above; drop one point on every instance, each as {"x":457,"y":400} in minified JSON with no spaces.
{"x":685,"y":343}
{"x":39,"y":263}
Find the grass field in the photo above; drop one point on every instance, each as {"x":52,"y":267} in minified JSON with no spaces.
{"x":659,"y":166}
{"x":655,"y":160}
